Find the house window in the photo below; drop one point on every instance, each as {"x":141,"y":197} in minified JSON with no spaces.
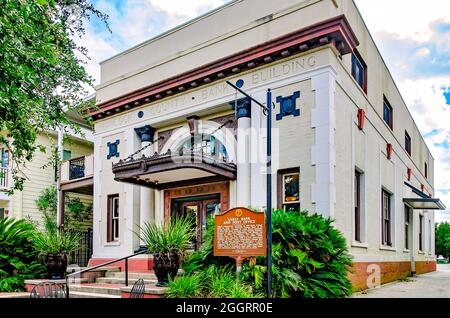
{"x":407,"y":227}
{"x":420,"y":232}
{"x":4,"y":157}
{"x":359,"y":71}
{"x":289,"y":189}
{"x":67,"y":154}
{"x":357,"y":193}
{"x":2,"y":213}
{"x":113,"y":218}
{"x":388,"y":114}
{"x":407,"y":143}
{"x":386,"y":218}
{"x":426,"y":170}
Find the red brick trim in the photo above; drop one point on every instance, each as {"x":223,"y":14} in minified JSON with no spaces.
{"x":390,"y":271}
{"x":134,"y":264}
{"x":336,"y":31}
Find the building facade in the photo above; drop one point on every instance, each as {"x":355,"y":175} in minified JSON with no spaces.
{"x":173,"y":138}
{"x":40,"y":174}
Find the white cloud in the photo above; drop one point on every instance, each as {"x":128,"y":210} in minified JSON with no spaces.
{"x":407,"y":18}
{"x":185,"y":7}
{"x":414,"y":30}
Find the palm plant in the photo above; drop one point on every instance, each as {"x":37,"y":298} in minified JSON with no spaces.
{"x":18,"y":259}
{"x":168,"y":244}
{"x":54,"y":246}
{"x":174,"y":238}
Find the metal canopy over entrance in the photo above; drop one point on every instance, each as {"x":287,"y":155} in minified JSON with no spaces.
{"x":424,"y":203}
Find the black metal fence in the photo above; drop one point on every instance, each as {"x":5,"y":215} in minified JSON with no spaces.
{"x":76,"y":168}
{"x":82,"y":255}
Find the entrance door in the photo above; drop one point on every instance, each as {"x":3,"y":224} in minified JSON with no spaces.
{"x":199,"y":207}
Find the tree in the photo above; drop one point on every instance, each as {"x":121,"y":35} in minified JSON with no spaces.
{"x":443,"y":239}
{"x":41,"y":72}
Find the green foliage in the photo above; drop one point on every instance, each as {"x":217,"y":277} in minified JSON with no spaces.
{"x":42,"y":74}
{"x":211,"y":282}
{"x":443,"y":239}
{"x":310,"y":260}
{"x":173,"y":238}
{"x":76,"y":211}
{"x":52,"y":241}
{"x":185,"y":286}
{"x":18,"y":259}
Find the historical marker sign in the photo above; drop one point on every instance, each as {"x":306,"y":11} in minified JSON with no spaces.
{"x":240,"y":233}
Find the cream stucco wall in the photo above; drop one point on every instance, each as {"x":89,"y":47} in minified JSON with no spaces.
{"x":324,"y":141}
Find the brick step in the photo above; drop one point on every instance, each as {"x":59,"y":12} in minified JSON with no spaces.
{"x":121,"y":280}
{"x":102,"y":289}
{"x":78,"y":294}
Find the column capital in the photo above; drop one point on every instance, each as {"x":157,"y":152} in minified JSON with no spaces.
{"x":243,"y":107}
{"x":145,"y":133}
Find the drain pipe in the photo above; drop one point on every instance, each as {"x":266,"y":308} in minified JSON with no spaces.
{"x":412,"y":251}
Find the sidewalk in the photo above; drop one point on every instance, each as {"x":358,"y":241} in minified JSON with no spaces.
{"x":430,"y":285}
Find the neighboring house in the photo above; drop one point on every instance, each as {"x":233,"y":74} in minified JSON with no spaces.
{"x":345,"y":144}
{"x":40,"y":174}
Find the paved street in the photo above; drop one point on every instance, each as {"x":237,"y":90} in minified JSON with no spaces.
{"x":431,"y":285}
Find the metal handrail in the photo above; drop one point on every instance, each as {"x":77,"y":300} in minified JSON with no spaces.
{"x":102,"y":265}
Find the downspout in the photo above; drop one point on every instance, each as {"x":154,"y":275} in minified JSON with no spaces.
{"x":412,"y":251}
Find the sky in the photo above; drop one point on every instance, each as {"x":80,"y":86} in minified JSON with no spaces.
{"x":413,"y":37}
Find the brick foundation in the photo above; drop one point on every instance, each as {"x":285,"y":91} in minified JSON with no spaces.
{"x":134,"y":264}
{"x":390,"y":271}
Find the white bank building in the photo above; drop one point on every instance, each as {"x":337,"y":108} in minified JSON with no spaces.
{"x":172,"y":138}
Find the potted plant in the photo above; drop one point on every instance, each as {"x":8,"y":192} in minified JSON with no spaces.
{"x":54,"y":246}
{"x":168,"y":244}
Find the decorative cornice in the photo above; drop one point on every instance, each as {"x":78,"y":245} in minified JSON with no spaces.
{"x":335,"y":31}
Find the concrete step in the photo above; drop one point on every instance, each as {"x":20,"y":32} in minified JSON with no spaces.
{"x":78,"y":294}
{"x":103,"y":289}
{"x":121,"y":280}
{"x":131,"y":275}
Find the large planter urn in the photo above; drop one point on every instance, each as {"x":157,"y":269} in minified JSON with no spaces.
{"x":56,"y":265}
{"x":165,"y":264}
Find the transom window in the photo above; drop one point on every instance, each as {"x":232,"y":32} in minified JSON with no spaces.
{"x":388,"y":114}
{"x":359,"y":71}
{"x":208,"y":145}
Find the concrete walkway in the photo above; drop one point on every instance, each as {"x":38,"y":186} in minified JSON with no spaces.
{"x":430,"y":285}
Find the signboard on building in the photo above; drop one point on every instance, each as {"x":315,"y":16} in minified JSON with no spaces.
{"x":240,"y":233}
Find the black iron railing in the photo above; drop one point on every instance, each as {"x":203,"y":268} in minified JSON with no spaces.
{"x":83,"y":253}
{"x":103,"y":265}
{"x":76,"y":168}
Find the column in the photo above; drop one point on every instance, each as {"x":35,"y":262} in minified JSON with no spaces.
{"x":243,"y":181}
{"x":147,"y":204}
{"x":323,"y":120}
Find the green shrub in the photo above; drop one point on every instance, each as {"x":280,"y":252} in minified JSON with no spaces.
{"x":18,"y":259}
{"x":52,"y":241}
{"x":172,"y":238}
{"x":310,"y":260}
{"x":185,"y":286}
